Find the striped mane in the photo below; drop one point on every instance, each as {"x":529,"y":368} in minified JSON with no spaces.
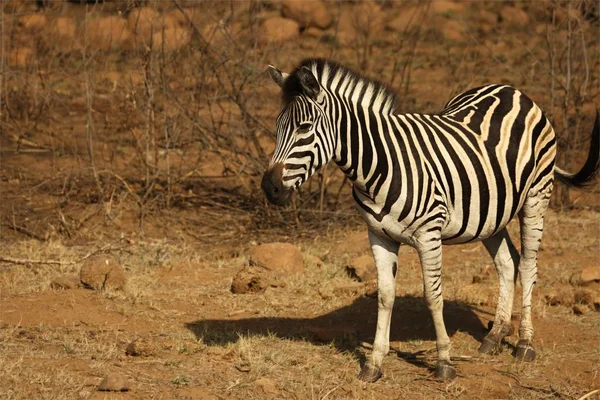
{"x":332,"y":76}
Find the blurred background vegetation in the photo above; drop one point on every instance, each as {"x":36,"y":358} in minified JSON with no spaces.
{"x":157,"y":117}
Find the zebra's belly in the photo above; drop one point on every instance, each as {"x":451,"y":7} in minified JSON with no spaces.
{"x":455,"y":228}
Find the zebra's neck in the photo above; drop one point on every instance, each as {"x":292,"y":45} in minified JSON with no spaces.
{"x":361,"y":151}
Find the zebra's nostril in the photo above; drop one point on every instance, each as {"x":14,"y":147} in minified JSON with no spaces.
{"x":275,"y":190}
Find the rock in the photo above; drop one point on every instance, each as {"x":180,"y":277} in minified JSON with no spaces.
{"x":65,"y":282}
{"x":362,"y":268}
{"x":313,"y":32}
{"x":282,"y":258}
{"x":597,"y":302}
{"x":20,"y":57}
{"x":33,"y":22}
{"x":108,"y":33}
{"x":267,"y":386}
{"x":514,"y":16}
{"x":579,"y":309}
{"x":250,"y":280}
{"x":584,"y":297}
{"x":115,"y":383}
{"x":359,"y":22}
{"x":307,"y":13}
{"x":144,"y":22}
{"x":140,"y":347}
{"x":278,"y":29}
{"x":585,"y":276}
{"x":101,"y":273}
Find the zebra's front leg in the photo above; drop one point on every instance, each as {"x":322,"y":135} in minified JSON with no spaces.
{"x":385,"y":252}
{"x":506,"y":259}
{"x":430,"y":253}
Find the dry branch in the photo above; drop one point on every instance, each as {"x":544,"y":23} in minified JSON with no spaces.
{"x":25,"y":261}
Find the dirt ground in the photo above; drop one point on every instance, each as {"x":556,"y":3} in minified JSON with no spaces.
{"x":150,"y":153}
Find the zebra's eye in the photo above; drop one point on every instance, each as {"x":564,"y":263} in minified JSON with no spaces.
{"x":305,"y":127}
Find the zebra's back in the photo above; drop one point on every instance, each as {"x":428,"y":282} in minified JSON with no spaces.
{"x":488,"y":150}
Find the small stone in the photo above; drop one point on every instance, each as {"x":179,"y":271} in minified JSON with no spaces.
{"x":20,"y":56}
{"x":282,"y":258}
{"x":307,"y":13}
{"x":250,"y":280}
{"x":107,"y":33}
{"x":144,"y":22}
{"x":584,"y":296}
{"x":100,"y":273}
{"x":313,"y":32}
{"x":33,"y":22}
{"x":579,"y":309}
{"x":65,"y":282}
{"x":514,"y":16}
{"x":362,"y":268}
{"x":114,"y":383}
{"x":278,"y":29}
{"x":585,"y":276}
{"x":267,"y":386}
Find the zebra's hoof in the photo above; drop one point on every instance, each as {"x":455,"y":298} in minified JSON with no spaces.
{"x":524,"y":351}
{"x":445,"y":370}
{"x":490,"y":346}
{"x":369,"y":374}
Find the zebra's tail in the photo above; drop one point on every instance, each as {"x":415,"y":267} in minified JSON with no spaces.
{"x":591,"y":167}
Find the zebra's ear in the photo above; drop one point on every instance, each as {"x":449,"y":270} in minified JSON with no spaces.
{"x":309,"y":82}
{"x":278,"y":76}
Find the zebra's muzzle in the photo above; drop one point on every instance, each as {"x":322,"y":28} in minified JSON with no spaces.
{"x":272,"y":185}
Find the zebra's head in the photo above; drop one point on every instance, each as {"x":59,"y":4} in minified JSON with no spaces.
{"x":303,"y":143}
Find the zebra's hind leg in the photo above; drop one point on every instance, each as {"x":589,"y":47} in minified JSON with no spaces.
{"x":506,"y":259}
{"x":430,"y":253}
{"x":531,"y":218}
{"x":385,"y":253}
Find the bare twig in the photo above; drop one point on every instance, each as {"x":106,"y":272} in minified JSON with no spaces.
{"x":25,"y":231}
{"x":588,"y":395}
{"x":25,"y":261}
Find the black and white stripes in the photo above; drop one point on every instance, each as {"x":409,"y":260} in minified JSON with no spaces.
{"x":426,"y":180}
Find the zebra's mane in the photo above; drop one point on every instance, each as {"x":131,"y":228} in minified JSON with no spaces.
{"x":372,"y":93}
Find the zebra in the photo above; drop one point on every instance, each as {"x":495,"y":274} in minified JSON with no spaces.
{"x":425,"y":180}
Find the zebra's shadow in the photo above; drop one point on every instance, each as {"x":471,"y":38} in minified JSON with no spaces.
{"x":346,"y":327}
